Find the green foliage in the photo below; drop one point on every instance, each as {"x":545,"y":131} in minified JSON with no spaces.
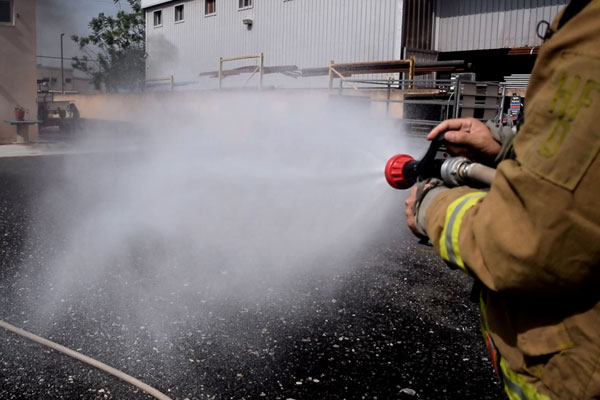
{"x":114,"y":52}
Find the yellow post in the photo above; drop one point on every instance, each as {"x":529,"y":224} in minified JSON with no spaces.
{"x":411,"y":70}
{"x":262,"y":65}
{"x":331,"y":63}
{"x":220,"y":72}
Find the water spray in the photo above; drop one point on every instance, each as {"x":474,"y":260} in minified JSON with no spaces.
{"x":402,"y":171}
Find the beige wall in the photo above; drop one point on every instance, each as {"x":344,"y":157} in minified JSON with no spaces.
{"x":127,"y":107}
{"x":131,"y":107}
{"x":17,"y":68}
{"x":54,"y":75}
{"x":72,"y":82}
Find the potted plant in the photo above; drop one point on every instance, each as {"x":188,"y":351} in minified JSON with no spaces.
{"x":19,"y":113}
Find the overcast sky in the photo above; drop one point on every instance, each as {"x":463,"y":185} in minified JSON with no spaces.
{"x":70,"y":17}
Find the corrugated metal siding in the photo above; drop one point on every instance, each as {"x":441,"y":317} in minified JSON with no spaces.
{"x":419,"y":24}
{"x":306,"y":33}
{"x":491,"y":24}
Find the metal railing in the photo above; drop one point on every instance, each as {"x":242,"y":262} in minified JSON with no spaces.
{"x":259,"y":68}
{"x":441,"y":98}
{"x":336,"y":70}
{"x":170,"y":80}
{"x":457,"y":98}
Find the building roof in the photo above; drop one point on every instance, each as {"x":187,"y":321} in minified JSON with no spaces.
{"x":151,"y":3}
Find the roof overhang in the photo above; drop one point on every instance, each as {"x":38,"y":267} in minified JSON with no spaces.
{"x":152,"y":3}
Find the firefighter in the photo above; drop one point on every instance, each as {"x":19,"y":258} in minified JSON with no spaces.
{"x":532,"y":242}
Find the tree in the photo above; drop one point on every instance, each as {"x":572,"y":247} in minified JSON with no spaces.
{"x":115,"y":51}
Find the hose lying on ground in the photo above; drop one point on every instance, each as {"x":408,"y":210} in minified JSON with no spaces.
{"x":90,"y":361}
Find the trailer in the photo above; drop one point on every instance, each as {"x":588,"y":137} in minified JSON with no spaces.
{"x":62,"y":114}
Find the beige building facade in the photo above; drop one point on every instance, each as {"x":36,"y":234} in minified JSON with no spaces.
{"x":17,"y":65}
{"x":73,"y":83}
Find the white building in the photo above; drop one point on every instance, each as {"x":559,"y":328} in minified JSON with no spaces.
{"x":187,"y":37}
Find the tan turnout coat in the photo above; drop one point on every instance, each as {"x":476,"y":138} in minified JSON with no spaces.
{"x":533,"y":240}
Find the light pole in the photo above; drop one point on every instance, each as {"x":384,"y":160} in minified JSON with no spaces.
{"x":62,"y":66}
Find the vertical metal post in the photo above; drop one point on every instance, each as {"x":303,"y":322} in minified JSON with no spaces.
{"x":389,"y":95}
{"x":457,"y":95}
{"x":62,"y":66}
{"x":262,"y":65}
{"x":411,"y":70}
{"x":220,"y":72}
{"x":501,"y":105}
{"x":331,"y":64}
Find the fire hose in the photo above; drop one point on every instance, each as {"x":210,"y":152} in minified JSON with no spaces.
{"x":88,"y":360}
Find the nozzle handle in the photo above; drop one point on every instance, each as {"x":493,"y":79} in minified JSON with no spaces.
{"x":427,"y":165}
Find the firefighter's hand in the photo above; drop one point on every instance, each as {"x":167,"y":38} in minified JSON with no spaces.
{"x":410,"y":213}
{"x":468,"y":137}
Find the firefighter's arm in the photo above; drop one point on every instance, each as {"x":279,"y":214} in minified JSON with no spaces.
{"x":525,"y":234}
{"x":538,"y":227}
{"x":487,"y":143}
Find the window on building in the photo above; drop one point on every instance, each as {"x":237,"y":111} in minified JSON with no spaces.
{"x":68,"y":80}
{"x":210,"y":7}
{"x":158,"y":18}
{"x":245,"y":4}
{"x":179,"y":13}
{"x":6,"y":11}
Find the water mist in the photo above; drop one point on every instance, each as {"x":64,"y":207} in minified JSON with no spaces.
{"x":222,"y":199}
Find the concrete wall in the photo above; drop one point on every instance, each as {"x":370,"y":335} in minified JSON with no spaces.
{"x":132,"y":107}
{"x":305,"y":33}
{"x":17,"y":68}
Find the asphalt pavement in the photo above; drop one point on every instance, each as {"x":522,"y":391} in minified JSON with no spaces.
{"x":397,"y":323}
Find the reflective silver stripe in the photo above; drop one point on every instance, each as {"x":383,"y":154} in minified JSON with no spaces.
{"x":513,"y":387}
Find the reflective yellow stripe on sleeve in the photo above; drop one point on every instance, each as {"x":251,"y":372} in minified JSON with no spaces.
{"x":449,"y":249}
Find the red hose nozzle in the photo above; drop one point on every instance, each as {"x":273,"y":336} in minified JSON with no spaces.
{"x":394,"y":171}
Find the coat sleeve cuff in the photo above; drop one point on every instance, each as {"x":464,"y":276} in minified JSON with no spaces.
{"x":421,"y":215}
